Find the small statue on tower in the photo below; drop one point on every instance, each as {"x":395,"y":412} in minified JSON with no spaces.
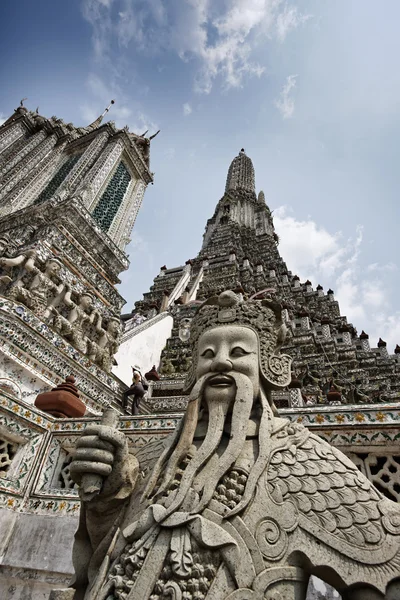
{"x":74,"y":326}
{"x":103,"y":350}
{"x":43,"y":287}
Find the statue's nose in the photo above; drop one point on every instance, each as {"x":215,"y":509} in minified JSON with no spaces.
{"x":221,"y":362}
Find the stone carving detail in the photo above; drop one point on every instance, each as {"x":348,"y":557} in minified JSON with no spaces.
{"x":101,"y":170}
{"x":382,"y":470}
{"x":11,"y":180}
{"x":13,"y":150}
{"x":87,"y":159}
{"x":25,"y":149}
{"x":16,"y":238}
{"x":265,"y":318}
{"x":29,"y":187}
{"x":237,"y":496}
{"x":8,"y":450}
{"x":40,"y":290}
{"x":167,"y":368}
{"x":117,"y":257}
{"x":64,"y":479}
{"x":121,"y":230}
{"x":53,"y":356}
{"x":10,"y":135}
{"x":79,"y":257}
{"x":74,"y":327}
{"x":103,"y":349}
{"x":58,"y":179}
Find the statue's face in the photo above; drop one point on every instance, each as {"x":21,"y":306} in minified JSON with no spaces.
{"x":113,"y":327}
{"x":223,"y":351}
{"x":85,"y":301}
{"x":52,"y":268}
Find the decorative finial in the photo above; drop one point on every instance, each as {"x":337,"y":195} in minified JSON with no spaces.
{"x":154,"y":135}
{"x":108,"y":108}
{"x":22,"y":101}
{"x":98,"y":121}
{"x":37,"y":110}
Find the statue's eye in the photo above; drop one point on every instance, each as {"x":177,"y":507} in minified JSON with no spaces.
{"x":238,"y":351}
{"x":208,"y":353}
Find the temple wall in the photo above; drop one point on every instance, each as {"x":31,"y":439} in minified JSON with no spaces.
{"x":35,"y":554}
{"x":24,"y":383}
{"x":142,"y":346}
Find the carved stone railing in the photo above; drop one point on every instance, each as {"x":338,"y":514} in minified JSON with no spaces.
{"x":164,"y":404}
{"x":36,"y":449}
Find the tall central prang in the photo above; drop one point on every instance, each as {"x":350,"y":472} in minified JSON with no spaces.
{"x":331,"y":361}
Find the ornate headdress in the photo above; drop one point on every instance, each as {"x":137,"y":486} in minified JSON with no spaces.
{"x":262,"y":316}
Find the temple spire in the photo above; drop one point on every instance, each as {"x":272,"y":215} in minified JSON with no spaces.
{"x":241,"y":174}
{"x":99,"y":119}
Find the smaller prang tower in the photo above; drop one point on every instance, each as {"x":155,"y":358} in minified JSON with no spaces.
{"x":331,"y":361}
{"x":69,"y":197}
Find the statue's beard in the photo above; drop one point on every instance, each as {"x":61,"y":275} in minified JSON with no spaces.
{"x":226,"y":411}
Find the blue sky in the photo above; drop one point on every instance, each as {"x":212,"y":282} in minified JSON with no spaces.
{"x":310,"y":88}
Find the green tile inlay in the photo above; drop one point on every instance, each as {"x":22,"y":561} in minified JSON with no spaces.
{"x":112,"y":197}
{"x":57,"y":179}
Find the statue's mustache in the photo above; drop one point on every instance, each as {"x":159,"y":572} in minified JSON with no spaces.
{"x":220,"y":379}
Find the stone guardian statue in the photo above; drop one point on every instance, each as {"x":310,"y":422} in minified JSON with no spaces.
{"x":238,"y":504}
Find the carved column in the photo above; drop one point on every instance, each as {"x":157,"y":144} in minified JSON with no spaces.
{"x":120,"y":232}
{"x":10,"y":135}
{"x":85,"y":162}
{"x":12,"y":179}
{"x":12,"y":150}
{"x":28,"y":189}
{"x":27,"y":147}
{"x":101,"y":171}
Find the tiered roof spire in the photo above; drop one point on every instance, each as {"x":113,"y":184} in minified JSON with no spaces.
{"x":241,"y":174}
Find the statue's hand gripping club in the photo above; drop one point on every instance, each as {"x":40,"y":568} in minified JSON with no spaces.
{"x":100,"y":454}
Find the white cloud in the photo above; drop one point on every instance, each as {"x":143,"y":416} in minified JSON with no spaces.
{"x":324,"y":257}
{"x":390,"y":267}
{"x":285,"y":103}
{"x":187,"y":109}
{"x":98,"y":13}
{"x":287,"y":20}
{"x":305,"y":245}
{"x":219,"y":36}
